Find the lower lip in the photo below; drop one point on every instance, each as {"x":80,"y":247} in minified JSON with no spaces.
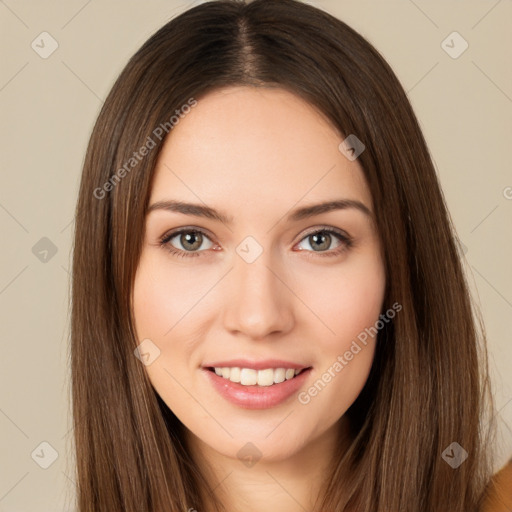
{"x":256,"y":397}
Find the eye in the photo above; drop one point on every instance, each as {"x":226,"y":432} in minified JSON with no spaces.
{"x":191,"y":240}
{"x":321,"y":239}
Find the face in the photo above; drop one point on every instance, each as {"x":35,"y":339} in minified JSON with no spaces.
{"x":251,"y":277}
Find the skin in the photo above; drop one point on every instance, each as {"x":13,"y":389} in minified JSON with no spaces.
{"x":257,"y":154}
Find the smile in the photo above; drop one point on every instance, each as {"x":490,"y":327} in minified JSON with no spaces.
{"x":252,"y":394}
{"x":251,"y":377}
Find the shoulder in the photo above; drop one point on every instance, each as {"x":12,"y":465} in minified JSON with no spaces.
{"x":498,"y":495}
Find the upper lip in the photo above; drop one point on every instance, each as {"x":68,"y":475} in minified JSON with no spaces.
{"x":256,"y":365}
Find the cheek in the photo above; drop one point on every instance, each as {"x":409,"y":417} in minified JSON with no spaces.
{"x":163,"y":296}
{"x":346,"y":298}
{"x":150,"y":304}
{"x":349,"y":305}
{"x":169,"y":309}
{"x":155,"y":312}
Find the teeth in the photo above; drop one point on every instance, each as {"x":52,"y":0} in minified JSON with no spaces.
{"x":250,"y":377}
{"x":279,"y":375}
{"x":234,"y":375}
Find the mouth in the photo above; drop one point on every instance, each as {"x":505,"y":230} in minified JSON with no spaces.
{"x":257,"y":389}
{"x":257,"y":378}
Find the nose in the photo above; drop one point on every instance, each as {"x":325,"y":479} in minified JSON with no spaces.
{"x":258,"y":302}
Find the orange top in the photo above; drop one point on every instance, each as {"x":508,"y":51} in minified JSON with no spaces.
{"x":499,"y":491}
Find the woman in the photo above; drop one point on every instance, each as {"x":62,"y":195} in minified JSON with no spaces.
{"x":269,"y":308}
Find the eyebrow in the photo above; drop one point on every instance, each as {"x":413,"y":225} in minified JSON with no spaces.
{"x":304,"y":212}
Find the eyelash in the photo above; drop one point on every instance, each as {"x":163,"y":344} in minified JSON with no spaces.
{"x":347,"y":242}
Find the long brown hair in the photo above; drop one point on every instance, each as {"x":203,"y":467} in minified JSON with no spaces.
{"x":428,"y":386}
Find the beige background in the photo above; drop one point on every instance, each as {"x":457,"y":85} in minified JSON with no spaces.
{"x":49,"y":105}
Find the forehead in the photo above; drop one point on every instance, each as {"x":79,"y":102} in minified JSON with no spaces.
{"x":255,"y":148}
